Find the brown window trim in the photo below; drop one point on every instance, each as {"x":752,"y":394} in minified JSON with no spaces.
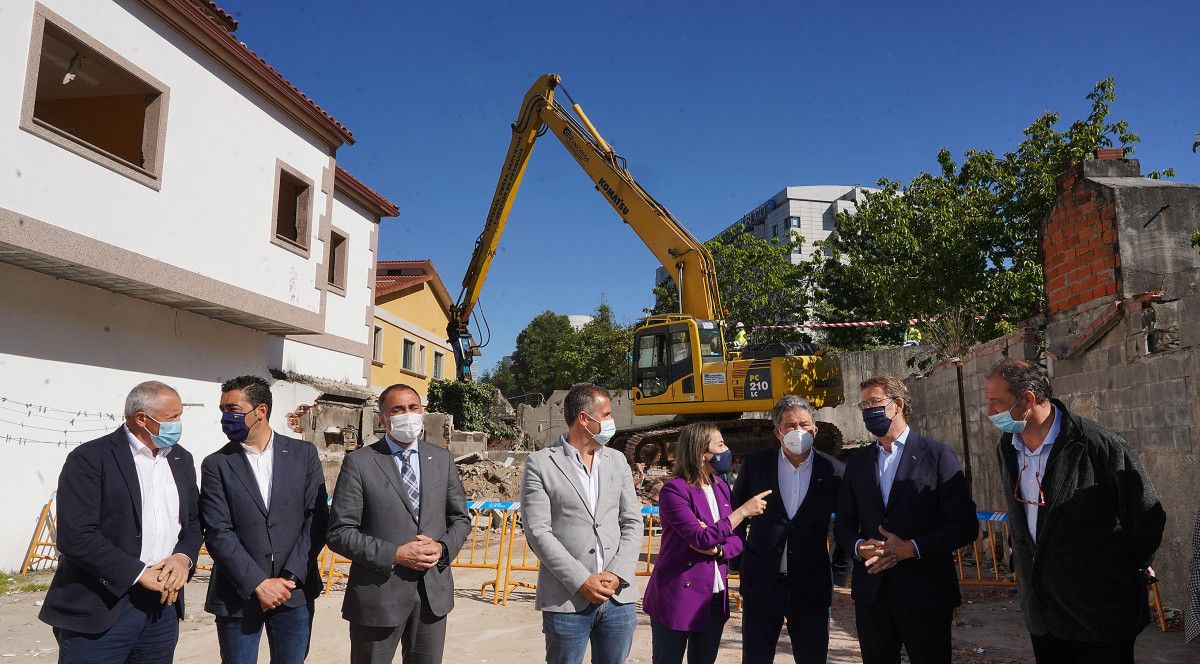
{"x":301,"y":250}
{"x":154,"y":134}
{"x":333,"y":287}
{"x":377,"y":363}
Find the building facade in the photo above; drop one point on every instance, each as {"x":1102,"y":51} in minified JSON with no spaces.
{"x":412,"y":314}
{"x":170,"y":209}
{"x":809,"y":211}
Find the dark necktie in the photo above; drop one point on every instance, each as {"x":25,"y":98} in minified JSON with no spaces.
{"x":409,"y":476}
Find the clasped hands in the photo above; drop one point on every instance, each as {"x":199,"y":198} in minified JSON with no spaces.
{"x":167,"y":577}
{"x":880,"y":555}
{"x":419,"y":554}
{"x":599,"y":587}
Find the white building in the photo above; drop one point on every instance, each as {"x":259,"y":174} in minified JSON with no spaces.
{"x":171,"y":209}
{"x":809,"y":211}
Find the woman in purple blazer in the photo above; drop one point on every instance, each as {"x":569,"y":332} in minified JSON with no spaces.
{"x":687,"y":596}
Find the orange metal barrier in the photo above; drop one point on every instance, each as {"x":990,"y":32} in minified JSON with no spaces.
{"x":987,"y":551}
{"x":42,"y":552}
{"x":524,"y":565}
{"x":484,"y":548}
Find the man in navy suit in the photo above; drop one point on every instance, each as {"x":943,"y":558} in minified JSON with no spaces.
{"x":128,"y":535}
{"x":785,"y":567}
{"x":263,"y":507}
{"x":904,"y":508}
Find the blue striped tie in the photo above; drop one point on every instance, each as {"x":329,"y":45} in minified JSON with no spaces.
{"x":409,"y":476}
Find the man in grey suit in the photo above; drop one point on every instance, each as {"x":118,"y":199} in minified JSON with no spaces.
{"x":399,"y":515}
{"x":583,"y":521}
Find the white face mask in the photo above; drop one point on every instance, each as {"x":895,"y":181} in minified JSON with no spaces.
{"x":406,"y":428}
{"x":798,"y":441}
{"x":607,"y":429}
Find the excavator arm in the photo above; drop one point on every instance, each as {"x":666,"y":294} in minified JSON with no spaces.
{"x":684,"y":257}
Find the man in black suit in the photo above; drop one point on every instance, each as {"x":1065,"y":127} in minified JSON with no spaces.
{"x":904,"y":508}
{"x":263,"y":507}
{"x":400,"y":516}
{"x":128,"y":535}
{"x":785,"y":567}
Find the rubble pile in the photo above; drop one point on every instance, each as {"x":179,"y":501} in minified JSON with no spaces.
{"x":490,"y":480}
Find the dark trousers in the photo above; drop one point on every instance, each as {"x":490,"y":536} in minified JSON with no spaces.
{"x":288,"y":629}
{"x":1053,"y":650}
{"x":145,"y":633}
{"x":884,"y":628}
{"x":421,"y":638}
{"x":808,"y":627}
{"x":670,"y":644}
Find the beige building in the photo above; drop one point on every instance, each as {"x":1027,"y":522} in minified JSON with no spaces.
{"x":412,"y":312}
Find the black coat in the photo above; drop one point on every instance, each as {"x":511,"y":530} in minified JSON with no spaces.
{"x":1101,"y":524}
{"x":249,"y":542}
{"x":99,"y":514}
{"x":806,"y":533}
{"x":929,"y":503}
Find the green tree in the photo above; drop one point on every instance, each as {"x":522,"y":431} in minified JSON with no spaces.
{"x":758,"y":284}
{"x":598,"y":352}
{"x":470,"y":404}
{"x":964,"y":238}
{"x":536,"y":365}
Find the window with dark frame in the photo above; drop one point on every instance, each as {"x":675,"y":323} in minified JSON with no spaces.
{"x":87,"y":99}
{"x":337,"y":260}
{"x":407,"y":358}
{"x":293,"y":209}
{"x":439,"y":361}
{"x":377,"y":345}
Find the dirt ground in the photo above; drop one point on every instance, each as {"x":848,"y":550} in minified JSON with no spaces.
{"x":988,"y":629}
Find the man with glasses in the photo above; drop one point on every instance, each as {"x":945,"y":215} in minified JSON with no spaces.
{"x":1085,"y":521}
{"x":903,"y":509}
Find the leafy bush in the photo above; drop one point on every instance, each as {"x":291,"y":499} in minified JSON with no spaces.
{"x":470,"y":404}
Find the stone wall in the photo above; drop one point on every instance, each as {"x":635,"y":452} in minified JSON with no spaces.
{"x":856,"y":367}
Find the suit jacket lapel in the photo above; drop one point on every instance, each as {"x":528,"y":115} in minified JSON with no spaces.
{"x":432,"y":480}
{"x":912,"y":452}
{"x":873,"y":475}
{"x":817,"y":476}
{"x":387,"y":466}
{"x":1064,"y":456}
{"x":241,"y":468}
{"x":1017,"y":520}
{"x":124,"y":457}
{"x":776,"y":496}
{"x":562,"y":459}
{"x":281,"y":466}
{"x":183,"y":484}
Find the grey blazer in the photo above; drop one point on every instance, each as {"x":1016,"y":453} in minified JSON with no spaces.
{"x":371,"y":517}
{"x":562,"y":530}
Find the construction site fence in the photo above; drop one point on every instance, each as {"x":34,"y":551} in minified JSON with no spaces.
{"x":496,"y":542}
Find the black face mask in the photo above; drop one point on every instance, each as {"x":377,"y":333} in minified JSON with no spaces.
{"x":876,"y":420}
{"x":722,"y":463}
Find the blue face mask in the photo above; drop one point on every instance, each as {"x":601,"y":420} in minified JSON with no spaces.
{"x":1004,"y":421}
{"x":168,"y":434}
{"x":234,"y":426}
{"x":876,"y":420}
{"x":723,"y":462}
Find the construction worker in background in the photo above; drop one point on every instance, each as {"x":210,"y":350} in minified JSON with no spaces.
{"x":912,"y":336}
{"x":739,"y":337}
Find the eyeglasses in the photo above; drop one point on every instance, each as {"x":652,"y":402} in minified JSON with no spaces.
{"x":873,"y":403}
{"x":1037,"y":476}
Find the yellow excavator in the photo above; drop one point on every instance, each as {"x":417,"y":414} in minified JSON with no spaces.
{"x":681,"y":365}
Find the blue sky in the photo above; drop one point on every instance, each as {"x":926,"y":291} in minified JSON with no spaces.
{"x":716,"y":106}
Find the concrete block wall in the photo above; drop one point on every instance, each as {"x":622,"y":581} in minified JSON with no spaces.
{"x":936,"y":410}
{"x":856,"y":367}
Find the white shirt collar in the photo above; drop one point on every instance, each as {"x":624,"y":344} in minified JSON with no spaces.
{"x":785,"y":462}
{"x":136,"y":446}
{"x":1051,"y":437}
{"x":900,"y":441}
{"x":266,"y":450}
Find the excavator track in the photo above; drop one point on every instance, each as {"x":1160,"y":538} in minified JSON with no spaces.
{"x":654,"y":445}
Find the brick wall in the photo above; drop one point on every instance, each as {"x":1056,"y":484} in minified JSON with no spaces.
{"x":1081,"y":257}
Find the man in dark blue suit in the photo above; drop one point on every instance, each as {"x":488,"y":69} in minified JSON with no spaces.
{"x":785,"y":568}
{"x":263,"y":507}
{"x":904,"y":508}
{"x":128,"y":535}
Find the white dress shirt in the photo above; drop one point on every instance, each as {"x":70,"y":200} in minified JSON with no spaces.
{"x":793,"y":487}
{"x":718,"y":584}
{"x":1032,"y":469}
{"x":262,"y":467}
{"x":160,"y":502}
{"x":590,"y":481}
{"x":887,"y":463}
